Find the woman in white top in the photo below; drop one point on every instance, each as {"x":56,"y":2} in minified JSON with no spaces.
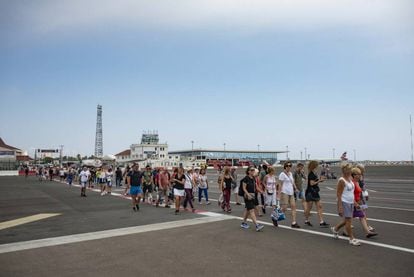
{"x":345,"y":198}
{"x":287,"y":191}
{"x":270,"y":185}
{"x":203,"y":186}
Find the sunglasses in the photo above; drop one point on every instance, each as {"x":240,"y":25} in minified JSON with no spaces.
{"x":289,"y":165}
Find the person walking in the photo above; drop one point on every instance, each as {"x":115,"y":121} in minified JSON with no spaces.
{"x":287,"y":190}
{"x":248,"y":187}
{"x":188,"y":188}
{"x":147,"y":183}
{"x":298,"y":177}
{"x":164,"y":187}
{"x":235,"y":185}
{"x":109,"y":176}
{"x":134,"y":178}
{"x":363,"y":186}
{"x":125,"y":175}
{"x":178,"y":180}
{"x":203,"y":186}
{"x":359,"y":212}
{"x":225,"y":187}
{"x":345,"y":197}
{"x":118,"y":177}
{"x":312,"y":194}
{"x":84,"y":176}
{"x":270,"y":183}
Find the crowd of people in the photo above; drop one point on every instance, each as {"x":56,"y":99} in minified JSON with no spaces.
{"x":259,"y":188}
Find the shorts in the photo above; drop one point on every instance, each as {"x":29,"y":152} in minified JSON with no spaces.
{"x":270,"y":199}
{"x":300,"y":194}
{"x":249,"y":204}
{"x":179,"y":192}
{"x":147,"y":188}
{"x":83,"y":184}
{"x":135,"y":190}
{"x":236,"y":189}
{"x":348,"y":209}
{"x":286,"y":199}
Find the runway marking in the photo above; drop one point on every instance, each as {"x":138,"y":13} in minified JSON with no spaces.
{"x":24,"y":220}
{"x":376,"y":207}
{"x":26,"y":245}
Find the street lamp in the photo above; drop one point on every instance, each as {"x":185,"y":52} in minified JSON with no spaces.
{"x":287,"y":152}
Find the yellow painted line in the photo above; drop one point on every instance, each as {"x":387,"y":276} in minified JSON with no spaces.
{"x":24,"y":220}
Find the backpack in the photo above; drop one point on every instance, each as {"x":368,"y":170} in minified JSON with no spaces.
{"x":241,"y":191}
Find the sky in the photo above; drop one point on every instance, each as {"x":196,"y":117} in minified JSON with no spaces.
{"x":328,"y":76}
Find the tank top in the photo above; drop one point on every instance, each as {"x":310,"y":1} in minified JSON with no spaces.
{"x":348,"y":193}
{"x":271,"y":184}
{"x":227,"y":182}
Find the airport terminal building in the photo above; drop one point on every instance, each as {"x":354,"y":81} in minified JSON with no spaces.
{"x":229,"y":157}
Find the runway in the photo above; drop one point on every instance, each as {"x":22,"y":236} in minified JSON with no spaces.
{"x":102,"y":236}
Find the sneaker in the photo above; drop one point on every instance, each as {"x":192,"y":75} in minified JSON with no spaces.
{"x":259,"y":227}
{"x":295,"y":226}
{"x":208,"y":203}
{"x":371,"y":234}
{"x":323,"y":225}
{"x":244,"y":225}
{"x":229,"y":211}
{"x":354,"y":242}
{"x":371,"y":229}
{"x":334,"y":232}
{"x":308,"y":223}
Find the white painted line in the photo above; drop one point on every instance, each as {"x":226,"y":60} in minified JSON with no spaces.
{"x":329,"y":188}
{"x":26,"y":245}
{"x":376,"y":207}
{"x":383,"y":245}
{"x":24,"y":220}
{"x":370,"y":219}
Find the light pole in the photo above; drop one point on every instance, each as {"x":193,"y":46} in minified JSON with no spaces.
{"x":287,"y":152}
{"x":300,"y":155}
{"x":61,"y":154}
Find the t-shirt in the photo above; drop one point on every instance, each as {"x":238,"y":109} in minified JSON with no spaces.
{"x":250,"y":184}
{"x":178,"y":185}
{"x":84,"y":176}
{"x":203,"y":182}
{"x":188,"y":181}
{"x":135,"y":178}
{"x":287,"y":183}
{"x":298,"y":177}
{"x":147,"y":177}
{"x":164,"y":179}
{"x":270,"y":184}
{"x":312,"y":177}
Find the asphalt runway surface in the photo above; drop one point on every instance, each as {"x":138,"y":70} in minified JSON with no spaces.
{"x":47,"y":229}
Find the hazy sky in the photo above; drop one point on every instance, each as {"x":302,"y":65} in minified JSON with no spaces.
{"x":316,"y":74}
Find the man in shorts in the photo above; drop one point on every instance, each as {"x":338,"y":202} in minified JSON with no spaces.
{"x":134,"y":180}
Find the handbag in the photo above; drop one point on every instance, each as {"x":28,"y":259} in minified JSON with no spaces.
{"x":277,"y":214}
{"x":358,"y":213}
